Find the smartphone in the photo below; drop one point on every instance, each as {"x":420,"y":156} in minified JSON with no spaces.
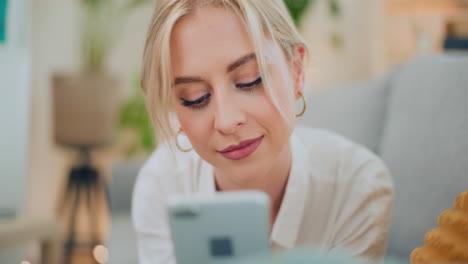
{"x":218,"y":227}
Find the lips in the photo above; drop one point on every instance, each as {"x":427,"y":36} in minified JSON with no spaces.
{"x":242,"y":150}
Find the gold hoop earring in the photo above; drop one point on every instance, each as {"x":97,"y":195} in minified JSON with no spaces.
{"x":304,"y":107}
{"x":177,"y":143}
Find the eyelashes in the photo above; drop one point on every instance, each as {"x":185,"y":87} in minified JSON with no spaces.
{"x":251,"y":84}
{"x":203,"y":100}
{"x":195,"y":102}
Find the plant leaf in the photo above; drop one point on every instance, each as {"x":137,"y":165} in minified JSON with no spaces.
{"x":297,"y":8}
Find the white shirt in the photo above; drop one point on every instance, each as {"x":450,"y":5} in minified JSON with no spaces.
{"x":339,"y":196}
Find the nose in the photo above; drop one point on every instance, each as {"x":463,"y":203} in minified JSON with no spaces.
{"x":229,"y":116}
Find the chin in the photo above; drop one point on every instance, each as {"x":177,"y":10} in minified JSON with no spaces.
{"x":244,"y":174}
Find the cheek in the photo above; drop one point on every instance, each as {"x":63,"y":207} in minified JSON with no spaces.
{"x":268,"y":115}
{"x":194,"y":124}
{"x":281,"y":128}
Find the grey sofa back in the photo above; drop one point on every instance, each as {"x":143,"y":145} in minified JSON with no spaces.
{"x":124,"y":175}
{"x":416,"y":119}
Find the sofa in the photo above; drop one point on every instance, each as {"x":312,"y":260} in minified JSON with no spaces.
{"x":415,"y":118}
{"x":122,"y":238}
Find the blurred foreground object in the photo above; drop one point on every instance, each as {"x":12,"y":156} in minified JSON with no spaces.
{"x":449,"y":241}
{"x":302,"y":256}
{"x":20,"y":231}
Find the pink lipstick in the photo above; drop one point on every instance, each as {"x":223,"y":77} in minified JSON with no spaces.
{"x":242,"y":150}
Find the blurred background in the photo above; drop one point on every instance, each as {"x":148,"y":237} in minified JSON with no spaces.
{"x":74,"y":131}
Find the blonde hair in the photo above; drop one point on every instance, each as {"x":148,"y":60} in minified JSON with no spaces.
{"x":262,"y":18}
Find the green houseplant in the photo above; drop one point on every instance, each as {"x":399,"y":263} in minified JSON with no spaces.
{"x":135,"y":123}
{"x":101,"y":25}
{"x":298,"y":7}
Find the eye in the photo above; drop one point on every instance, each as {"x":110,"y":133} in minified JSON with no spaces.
{"x":249,"y":85}
{"x":198,"y":103}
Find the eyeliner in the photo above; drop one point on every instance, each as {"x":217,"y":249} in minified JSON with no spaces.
{"x":197,"y":101}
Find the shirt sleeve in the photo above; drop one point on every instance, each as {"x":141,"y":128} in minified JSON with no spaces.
{"x":364,"y":205}
{"x":149,"y":215}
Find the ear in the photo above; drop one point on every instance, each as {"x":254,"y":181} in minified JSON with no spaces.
{"x":298,"y":56}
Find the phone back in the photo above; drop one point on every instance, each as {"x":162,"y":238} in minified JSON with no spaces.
{"x":215,"y":228}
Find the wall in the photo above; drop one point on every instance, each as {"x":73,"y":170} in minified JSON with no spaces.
{"x":353,"y":61}
{"x":14,"y":108}
{"x":15,"y":62}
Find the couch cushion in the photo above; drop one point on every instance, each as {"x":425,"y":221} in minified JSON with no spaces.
{"x":124,"y":174}
{"x":356,"y":111}
{"x":425,"y":145}
{"x":122,"y":243}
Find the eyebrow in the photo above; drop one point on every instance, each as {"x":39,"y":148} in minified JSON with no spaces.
{"x":236,"y":64}
{"x":241,"y":61}
{"x":180,"y":80}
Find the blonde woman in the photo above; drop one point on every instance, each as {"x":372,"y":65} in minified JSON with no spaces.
{"x":222,"y":79}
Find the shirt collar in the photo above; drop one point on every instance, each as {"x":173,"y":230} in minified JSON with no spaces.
{"x":286,"y":226}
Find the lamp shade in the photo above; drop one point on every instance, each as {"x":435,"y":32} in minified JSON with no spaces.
{"x":85,"y":109}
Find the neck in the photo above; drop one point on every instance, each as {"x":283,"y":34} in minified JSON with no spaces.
{"x":272,"y":182}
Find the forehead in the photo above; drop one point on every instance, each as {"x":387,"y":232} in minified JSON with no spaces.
{"x":208,"y":34}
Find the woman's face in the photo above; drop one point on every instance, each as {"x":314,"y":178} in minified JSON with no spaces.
{"x":220,"y":100}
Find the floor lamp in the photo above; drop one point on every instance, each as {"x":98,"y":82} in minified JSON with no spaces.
{"x":85,"y":113}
